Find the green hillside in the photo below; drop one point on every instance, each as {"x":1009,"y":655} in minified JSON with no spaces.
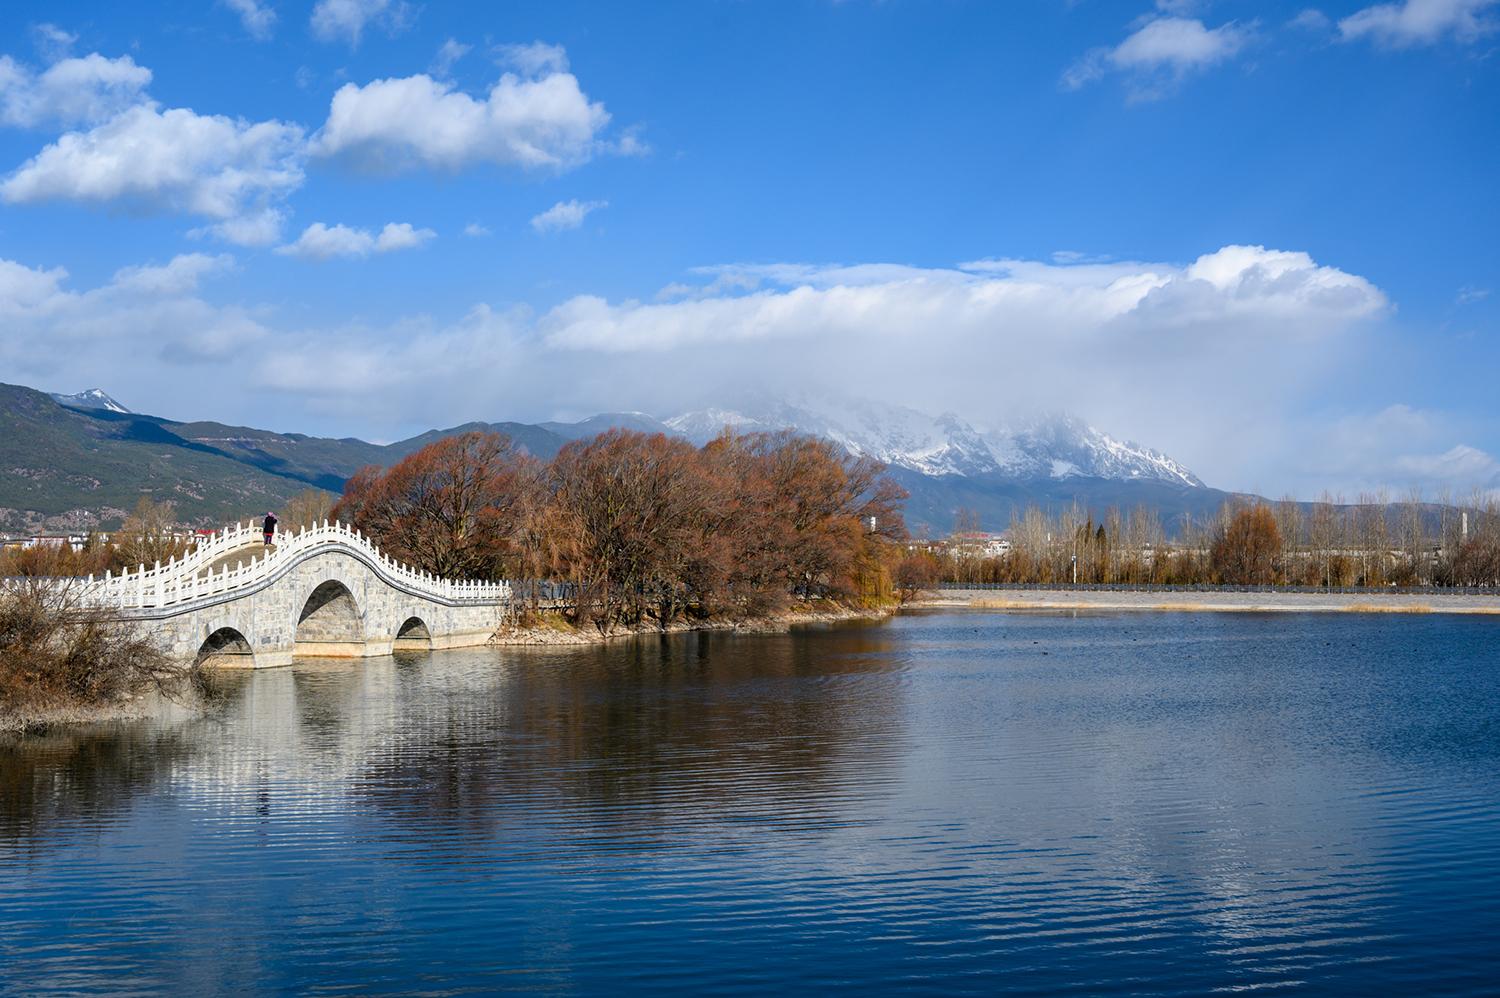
{"x":58,"y":460}
{"x":67,"y":466}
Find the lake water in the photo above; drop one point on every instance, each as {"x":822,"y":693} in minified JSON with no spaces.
{"x":947,"y":802}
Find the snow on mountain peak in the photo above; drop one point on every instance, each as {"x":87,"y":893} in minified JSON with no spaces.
{"x":1054,"y":446}
{"x":93,"y":398}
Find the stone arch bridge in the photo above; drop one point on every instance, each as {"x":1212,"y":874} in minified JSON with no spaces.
{"x":321,"y":591}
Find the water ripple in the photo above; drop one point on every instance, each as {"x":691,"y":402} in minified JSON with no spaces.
{"x":1162,"y":804}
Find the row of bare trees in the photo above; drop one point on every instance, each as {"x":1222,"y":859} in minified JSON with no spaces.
{"x":644,"y":528}
{"x":1371,"y":542}
{"x":149,"y":534}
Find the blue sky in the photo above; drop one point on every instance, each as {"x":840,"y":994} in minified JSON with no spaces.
{"x":1259,"y":236}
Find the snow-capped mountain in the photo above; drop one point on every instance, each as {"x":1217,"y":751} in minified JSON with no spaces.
{"x":94,"y":398}
{"x":1056,"y":446}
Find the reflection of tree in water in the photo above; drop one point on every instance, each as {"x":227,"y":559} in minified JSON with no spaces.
{"x":641,"y":737}
{"x":73,"y":775}
{"x":648,"y":737}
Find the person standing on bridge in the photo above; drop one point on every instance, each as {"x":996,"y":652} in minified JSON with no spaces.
{"x":269,"y":528}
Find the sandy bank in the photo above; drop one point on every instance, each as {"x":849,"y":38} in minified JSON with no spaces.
{"x":1059,"y":599}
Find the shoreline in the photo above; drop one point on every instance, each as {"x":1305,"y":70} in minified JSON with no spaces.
{"x":551,"y":634}
{"x":1206,"y":602}
{"x":555,"y":634}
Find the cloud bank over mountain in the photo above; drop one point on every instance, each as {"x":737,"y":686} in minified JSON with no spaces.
{"x":1173,"y":354}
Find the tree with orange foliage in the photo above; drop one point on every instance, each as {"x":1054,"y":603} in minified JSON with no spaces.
{"x":451,"y":508}
{"x":1246,"y":550}
{"x":643,"y":526}
{"x":808,"y":519}
{"x":628,"y":512}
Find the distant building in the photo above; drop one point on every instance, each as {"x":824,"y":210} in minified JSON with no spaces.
{"x":978,"y":544}
{"x":75,"y":542}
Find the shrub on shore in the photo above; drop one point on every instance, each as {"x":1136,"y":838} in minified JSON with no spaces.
{"x":58,"y":655}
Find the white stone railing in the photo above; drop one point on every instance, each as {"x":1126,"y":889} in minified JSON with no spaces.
{"x":184,"y":580}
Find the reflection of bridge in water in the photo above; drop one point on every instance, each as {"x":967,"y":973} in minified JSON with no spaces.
{"x":324,"y":590}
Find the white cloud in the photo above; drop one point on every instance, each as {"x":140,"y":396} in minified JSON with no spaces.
{"x":451,"y":51}
{"x":1215,"y":361}
{"x":220,"y":168}
{"x":1470,"y":295}
{"x":1457,"y":468}
{"x":1399,"y":447}
{"x":71,"y":91}
{"x":324,"y":242}
{"x":401,"y":235}
{"x":261,"y":227}
{"x":258,"y":18}
{"x":474,"y":230}
{"x":1213,"y":338}
{"x":1312,"y":20}
{"x":1161,"y":53}
{"x":546,"y":122}
{"x":144,"y":315}
{"x":346,"y":20}
{"x":1420,"y":22}
{"x":180,"y":276}
{"x":565,"y":215}
{"x":893,"y":303}
{"x":533,"y":58}
{"x":53,"y":42}
{"x":24,"y":289}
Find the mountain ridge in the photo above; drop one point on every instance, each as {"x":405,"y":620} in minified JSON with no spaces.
{"x":76,"y":463}
{"x":1046,"y":446}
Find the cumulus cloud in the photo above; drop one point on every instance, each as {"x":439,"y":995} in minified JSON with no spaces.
{"x":1160,"y":53}
{"x":1420,"y":22}
{"x":565,"y":215}
{"x":474,"y":230}
{"x":346,"y":20}
{"x":401,"y":235}
{"x":176,"y":160}
{"x":324,"y":242}
{"x":259,"y":20}
{"x":542,"y":122}
{"x":237,"y":174}
{"x":71,"y":91}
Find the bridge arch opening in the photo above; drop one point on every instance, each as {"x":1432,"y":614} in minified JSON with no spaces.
{"x":225,"y":648}
{"x":330,"y":623}
{"x":413,"y":635}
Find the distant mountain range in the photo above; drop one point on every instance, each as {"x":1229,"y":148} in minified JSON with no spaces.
{"x":1055,"y":447}
{"x":78,"y":460}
